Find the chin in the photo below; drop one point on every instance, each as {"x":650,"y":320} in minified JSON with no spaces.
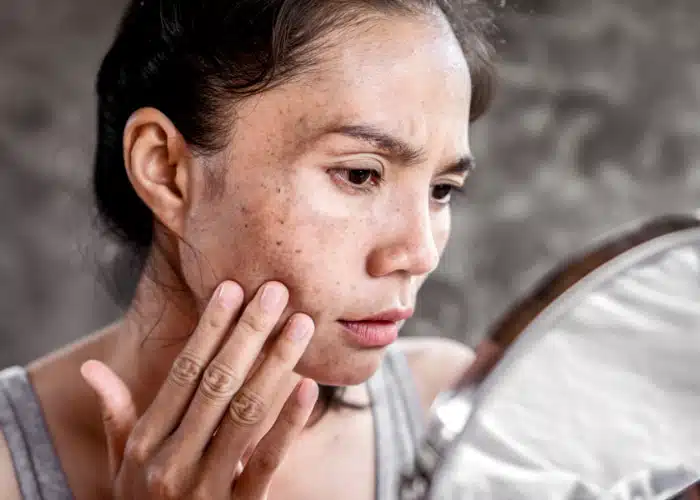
{"x":341,"y":366}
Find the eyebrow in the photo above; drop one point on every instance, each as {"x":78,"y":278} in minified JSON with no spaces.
{"x":398,"y":148}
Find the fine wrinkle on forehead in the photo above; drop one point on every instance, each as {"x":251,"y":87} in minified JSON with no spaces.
{"x":350,"y":85}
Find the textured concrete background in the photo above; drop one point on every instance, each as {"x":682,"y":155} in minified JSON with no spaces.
{"x":596,"y":124}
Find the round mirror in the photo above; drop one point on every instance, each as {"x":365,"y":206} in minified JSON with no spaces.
{"x":589,"y":388}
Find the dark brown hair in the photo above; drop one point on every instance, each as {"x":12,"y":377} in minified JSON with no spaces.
{"x":193,"y":59}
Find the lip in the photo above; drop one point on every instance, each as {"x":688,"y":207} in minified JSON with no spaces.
{"x":379,"y":330}
{"x":393,"y":315}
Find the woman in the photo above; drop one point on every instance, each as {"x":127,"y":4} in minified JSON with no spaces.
{"x":283,"y":171}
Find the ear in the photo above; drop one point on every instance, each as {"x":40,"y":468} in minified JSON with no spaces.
{"x":157,"y":162}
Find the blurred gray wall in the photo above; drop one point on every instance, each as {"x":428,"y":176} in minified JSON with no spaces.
{"x":596,"y":124}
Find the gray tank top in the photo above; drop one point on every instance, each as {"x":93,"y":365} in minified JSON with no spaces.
{"x":395,"y":407}
{"x":37,"y":468}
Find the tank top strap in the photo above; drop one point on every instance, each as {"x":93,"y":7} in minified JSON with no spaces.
{"x":398,"y":422}
{"x":37,"y":467}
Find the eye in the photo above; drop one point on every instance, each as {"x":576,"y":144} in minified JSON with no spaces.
{"x":359,"y":177}
{"x":442,"y":193}
{"x":362,"y":178}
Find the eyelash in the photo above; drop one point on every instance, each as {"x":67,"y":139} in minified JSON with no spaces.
{"x":378,"y":180}
{"x":454,"y":190}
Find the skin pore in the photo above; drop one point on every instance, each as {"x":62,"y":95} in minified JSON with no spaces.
{"x":289,"y":199}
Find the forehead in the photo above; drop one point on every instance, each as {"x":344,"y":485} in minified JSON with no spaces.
{"x":413,"y":61}
{"x":405,"y":75}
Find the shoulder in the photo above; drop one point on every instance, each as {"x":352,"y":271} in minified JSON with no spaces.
{"x":8,"y":480}
{"x":436,"y":363}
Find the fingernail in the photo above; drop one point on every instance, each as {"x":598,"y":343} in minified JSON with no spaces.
{"x":228,"y":294}
{"x":308,"y":392}
{"x":84,"y":369}
{"x":271,"y":297}
{"x":300,"y":329}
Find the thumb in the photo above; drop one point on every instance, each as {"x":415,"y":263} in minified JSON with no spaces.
{"x":117,"y":407}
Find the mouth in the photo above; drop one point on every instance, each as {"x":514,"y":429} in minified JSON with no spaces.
{"x":391,"y":315}
{"x":378,"y":330}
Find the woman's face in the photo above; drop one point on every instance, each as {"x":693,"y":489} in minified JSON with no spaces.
{"x":351,"y":223}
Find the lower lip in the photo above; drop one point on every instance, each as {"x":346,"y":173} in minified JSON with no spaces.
{"x":372,"y":333}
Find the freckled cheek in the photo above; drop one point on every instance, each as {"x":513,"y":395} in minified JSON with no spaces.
{"x":314,"y":261}
{"x":297,"y":232}
{"x":232,"y":241}
{"x":307,"y":251}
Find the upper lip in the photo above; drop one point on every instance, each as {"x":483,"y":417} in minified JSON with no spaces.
{"x":389,"y":315}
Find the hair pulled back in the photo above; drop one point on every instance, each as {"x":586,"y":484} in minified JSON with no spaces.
{"x":194,"y":59}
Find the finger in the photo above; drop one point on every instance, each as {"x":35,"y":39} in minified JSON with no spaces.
{"x":227,"y":373}
{"x":164,"y":414}
{"x":254,"y":481}
{"x":117,"y":408}
{"x":257,"y":404}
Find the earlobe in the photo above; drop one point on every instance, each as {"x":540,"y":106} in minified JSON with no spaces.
{"x":156,"y":160}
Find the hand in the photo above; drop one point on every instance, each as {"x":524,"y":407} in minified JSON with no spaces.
{"x":200,"y":429}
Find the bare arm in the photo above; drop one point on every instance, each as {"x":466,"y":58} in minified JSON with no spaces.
{"x":8,"y":481}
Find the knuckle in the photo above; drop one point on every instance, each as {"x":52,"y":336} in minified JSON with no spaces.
{"x":162,"y":481}
{"x":252,"y":323}
{"x":291,"y":418}
{"x":215,"y":321}
{"x":267,"y":460}
{"x":186,"y":369}
{"x":219,"y":382}
{"x":247,"y":408}
{"x":137,"y":451}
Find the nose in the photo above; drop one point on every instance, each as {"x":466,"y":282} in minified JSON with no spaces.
{"x":407,"y":245}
